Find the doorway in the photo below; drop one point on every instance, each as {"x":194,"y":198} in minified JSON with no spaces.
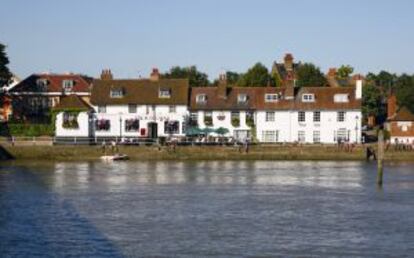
{"x":152,"y":130}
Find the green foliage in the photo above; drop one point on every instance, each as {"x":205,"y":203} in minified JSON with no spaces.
{"x":383,"y":80}
{"x":5,"y":74}
{"x":344,"y":72}
{"x":31,"y":130}
{"x":235,"y":121}
{"x":371,"y":101}
{"x":308,"y":75}
{"x":256,"y":76}
{"x":195,"y":77}
{"x":232,"y":77}
{"x":250,"y":122}
{"x":276,"y":79}
{"x":404,"y":89}
{"x":208,"y":120}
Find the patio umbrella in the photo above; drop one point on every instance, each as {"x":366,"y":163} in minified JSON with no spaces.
{"x":222,"y":131}
{"x":192,"y":131}
{"x":207,"y":130}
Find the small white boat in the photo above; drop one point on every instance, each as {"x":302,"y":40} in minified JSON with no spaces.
{"x":115,"y":157}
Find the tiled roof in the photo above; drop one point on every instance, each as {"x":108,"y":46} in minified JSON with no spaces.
{"x":72,"y":102}
{"x":140,"y":91}
{"x":324,"y":99}
{"x":215,"y":102}
{"x":54,"y":83}
{"x":403,"y":114}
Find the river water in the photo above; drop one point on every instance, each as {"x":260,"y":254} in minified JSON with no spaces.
{"x":205,"y":209}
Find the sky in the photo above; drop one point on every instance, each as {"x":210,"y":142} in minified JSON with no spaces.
{"x":132,"y":37}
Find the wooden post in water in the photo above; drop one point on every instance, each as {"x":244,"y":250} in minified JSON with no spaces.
{"x":380,"y":157}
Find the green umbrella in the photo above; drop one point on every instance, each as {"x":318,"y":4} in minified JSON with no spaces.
{"x":207,"y":130}
{"x":222,"y":130}
{"x":191,"y":131}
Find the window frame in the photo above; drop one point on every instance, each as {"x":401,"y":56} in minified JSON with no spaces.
{"x":308,"y":97}
{"x":341,"y":116}
{"x":270,"y":116}
{"x":317,"y":116}
{"x":301,"y":116}
{"x":271,"y":97}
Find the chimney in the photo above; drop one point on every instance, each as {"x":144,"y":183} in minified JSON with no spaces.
{"x":155,"y":74}
{"x":358,"y":88}
{"x":288,"y":62}
{"x":222,"y":86}
{"x":290,"y":85}
{"x":331,"y":77}
{"x":392,"y":106}
{"x":106,"y":74}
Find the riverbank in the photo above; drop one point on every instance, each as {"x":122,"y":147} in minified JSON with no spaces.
{"x":260,"y":152}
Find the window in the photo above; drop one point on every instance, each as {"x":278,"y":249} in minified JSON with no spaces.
{"x":270,"y":116}
{"x":101,"y":109}
{"x":301,"y":116}
{"x":171,"y":127}
{"x":301,"y":136}
{"x":208,"y":118}
{"x":67,"y":85}
{"x":194,"y":118}
{"x":341,"y":135}
{"x":164,"y":93}
{"x":102,"y":125}
{"x":340,"y":116}
{"x":316,"y":116}
{"x":42,"y":84}
{"x":201,"y":98}
{"x":132,"y":108}
{"x":308,"y":97}
{"x":235,"y":118}
{"x":316,"y":136}
{"x":341,"y":98}
{"x":70,"y":120}
{"x":171,"y":109}
{"x":242,"y":98}
{"x":131,"y":125}
{"x":117,"y":93}
{"x":270,"y":136}
{"x":271,"y":97}
{"x":250,"y":118}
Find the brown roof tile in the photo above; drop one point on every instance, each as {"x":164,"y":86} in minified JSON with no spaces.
{"x":72,"y":102}
{"x":140,"y":91}
{"x":403,"y":114}
{"x":324,"y":99}
{"x":54,"y":83}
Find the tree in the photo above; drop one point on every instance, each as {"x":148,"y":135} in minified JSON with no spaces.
{"x":195,"y":77}
{"x":232,"y":77}
{"x":308,"y":75}
{"x":372,"y":101}
{"x":5,"y":74}
{"x":404,"y":90}
{"x":385,"y":81}
{"x":256,"y":76}
{"x":344,"y":72}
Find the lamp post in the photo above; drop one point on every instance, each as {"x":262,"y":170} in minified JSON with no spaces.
{"x":120,"y":127}
{"x":356,"y":128}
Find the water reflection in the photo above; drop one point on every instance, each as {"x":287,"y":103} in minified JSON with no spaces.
{"x":118,"y":176}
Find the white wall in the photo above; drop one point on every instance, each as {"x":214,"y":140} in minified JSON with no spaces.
{"x":82,"y":131}
{"x":287,"y":125}
{"x":117,"y":114}
{"x":226,"y":122}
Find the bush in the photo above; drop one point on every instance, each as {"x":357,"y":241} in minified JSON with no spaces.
{"x":31,"y":129}
{"x":235,"y":122}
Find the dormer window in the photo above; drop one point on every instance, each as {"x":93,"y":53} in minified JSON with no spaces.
{"x":242,"y":98}
{"x":273,"y":97}
{"x":201,"y":98}
{"x":67,"y":85}
{"x":308,"y":97}
{"x":164,"y":93}
{"x":341,"y":98}
{"x":117,"y":93}
{"x":42,"y":84}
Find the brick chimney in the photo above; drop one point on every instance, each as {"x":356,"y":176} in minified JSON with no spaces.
{"x":155,"y":74}
{"x":392,"y":106}
{"x":331,"y":77}
{"x":222,"y":86}
{"x":290,"y":85}
{"x":106,"y":74}
{"x":288,"y":62}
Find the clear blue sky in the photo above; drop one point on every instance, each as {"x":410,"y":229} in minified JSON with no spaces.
{"x":131,"y":37}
